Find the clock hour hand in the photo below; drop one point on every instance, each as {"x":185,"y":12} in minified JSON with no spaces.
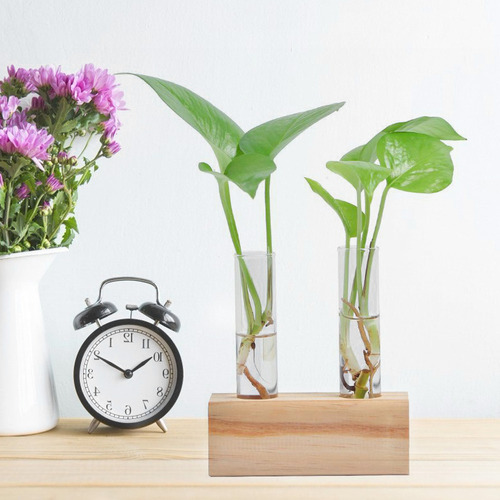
{"x":110,"y":363}
{"x":142,"y":363}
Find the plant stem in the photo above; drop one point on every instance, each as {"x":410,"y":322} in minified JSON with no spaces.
{"x":8,"y":197}
{"x":374,"y":241}
{"x":359,"y":255}
{"x":266,"y":316}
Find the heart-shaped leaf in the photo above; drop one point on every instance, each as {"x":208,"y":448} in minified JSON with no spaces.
{"x":361,"y":174}
{"x":432,"y":126}
{"x":271,"y":137}
{"x":222,"y":133}
{"x":418,"y":163}
{"x":249,"y":170}
{"x":346,"y":211}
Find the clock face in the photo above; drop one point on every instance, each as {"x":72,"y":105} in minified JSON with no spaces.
{"x":128,"y":373}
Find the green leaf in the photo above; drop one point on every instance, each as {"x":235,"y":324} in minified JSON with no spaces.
{"x":432,"y":126}
{"x":346,"y":211}
{"x":206,"y":168}
{"x":70,"y":232}
{"x":216,"y":127}
{"x":418,"y":163}
{"x":361,"y":174}
{"x":249,"y":170}
{"x":271,"y":137}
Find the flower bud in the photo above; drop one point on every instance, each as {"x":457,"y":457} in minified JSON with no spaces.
{"x":17,"y":248}
{"x":45,"y":243}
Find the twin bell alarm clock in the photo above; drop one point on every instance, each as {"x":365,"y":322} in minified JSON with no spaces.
{"x":128,"y":372}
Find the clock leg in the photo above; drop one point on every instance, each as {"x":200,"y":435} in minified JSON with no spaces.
{"x":161,"y":424}
{"x":93,"y":426}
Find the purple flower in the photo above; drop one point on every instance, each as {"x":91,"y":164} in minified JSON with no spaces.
{"x":8,"y":105}
{"x":52,"y":80}
{"x":111,"y":126}
{"x":18,"y":81}
{"x":53,"y":184}
{"x":46,"y":208}
{"x":22,"y":191}
{"x":37,"y":103}
{"x":26,"y":140}
{"x":1,"y":181}
{"x":106,"y":97}
{"x":111,"y":148}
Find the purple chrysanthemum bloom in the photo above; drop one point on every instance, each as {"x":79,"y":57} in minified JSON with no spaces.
{"x":113,"y":147}
{"x":8,"y":105}
{"x":18,"y":119}
{"x":106,"y":96}
{"x":28,"y":141}
{"x":18,"y":82}
{"x":53,"y":184}
{"x":81,"y":89}
{"x":22,"y":191}
{"x":46,"y":208}
{"x":37,"y":103}
{"x":111,"y":126}
{"x":51,"y":79}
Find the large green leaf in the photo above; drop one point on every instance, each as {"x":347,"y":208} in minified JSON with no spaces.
{"x":346,"y":211}
{"x":432,"y":126}
{"x":271,"y":137}
{"x":222,"y":133}
{"x":418,"y":163}
{"x":361,"y":174}
{"x":249,"y":170}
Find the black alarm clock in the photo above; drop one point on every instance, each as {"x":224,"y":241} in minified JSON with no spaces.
{"x":128,"y":373}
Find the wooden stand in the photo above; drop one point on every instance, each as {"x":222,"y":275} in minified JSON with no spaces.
{"x":300,"y":434}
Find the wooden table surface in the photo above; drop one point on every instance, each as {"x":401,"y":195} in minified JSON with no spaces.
{"x":450,"y":459}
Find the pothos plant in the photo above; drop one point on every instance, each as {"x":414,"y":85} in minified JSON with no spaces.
{"x":409,"y":156}
{"x":49,"y":121}
{"x":244,"y":160}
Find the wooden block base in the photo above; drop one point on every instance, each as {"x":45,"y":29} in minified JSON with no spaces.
{"x":300,"y":434}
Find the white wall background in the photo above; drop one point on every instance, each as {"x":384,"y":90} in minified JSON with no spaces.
{"x":149,"y":212}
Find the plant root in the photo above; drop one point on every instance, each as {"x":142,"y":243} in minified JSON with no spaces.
{"x":260,"y":388}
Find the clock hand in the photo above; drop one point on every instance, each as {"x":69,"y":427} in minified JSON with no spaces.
{"x":110,"y":364}
{"x":142,"y":363}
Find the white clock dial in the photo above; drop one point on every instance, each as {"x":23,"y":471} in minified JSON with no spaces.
{"x":128,"y":373}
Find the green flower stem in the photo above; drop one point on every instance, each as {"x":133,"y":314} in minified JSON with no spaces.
{"x":6,"y":214}
{"x":29,"y":219}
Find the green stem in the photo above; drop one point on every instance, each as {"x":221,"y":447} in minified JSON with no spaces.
{"x":8,"y":197}
{"x":359,"y":254}
{"x":266,"y":316}
{"x":86,"y":145}
{"x":29,"y":219}
{"x":373,"y":242}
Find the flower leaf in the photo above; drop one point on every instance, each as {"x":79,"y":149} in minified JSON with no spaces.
{"x":346,"y":211}
{"x":271,"y":137}
{"x":247,"y":171}
{"x":222,"y":133}
{"x":432,"y":126}
{"x":361,"y":174}
{"x":418,"y":163}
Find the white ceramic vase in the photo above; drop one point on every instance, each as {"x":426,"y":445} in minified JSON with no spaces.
{"x":28,"y":403}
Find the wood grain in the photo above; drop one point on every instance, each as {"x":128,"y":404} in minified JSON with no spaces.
{"x":308,"y":434}
{"x":450,"y":459}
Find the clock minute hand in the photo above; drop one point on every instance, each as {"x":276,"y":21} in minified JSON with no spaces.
{"x":110,"y":363}
{"x":142,"y":363}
